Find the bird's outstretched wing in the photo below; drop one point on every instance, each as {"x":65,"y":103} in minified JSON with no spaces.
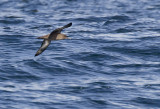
{"x":43,"y":47}
{"x":58,"y":30}
{"x":66,"y":26}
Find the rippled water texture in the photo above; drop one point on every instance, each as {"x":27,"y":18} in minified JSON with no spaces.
{"x":111,"y":62}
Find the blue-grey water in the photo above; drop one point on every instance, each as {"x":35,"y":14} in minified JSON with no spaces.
{"x":111,"y":62}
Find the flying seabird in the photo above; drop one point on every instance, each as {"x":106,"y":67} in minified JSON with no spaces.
{"x":54,"y":35}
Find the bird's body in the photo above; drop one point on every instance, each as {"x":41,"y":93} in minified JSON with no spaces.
{"x":54,"y":35}
{"x":57,"y":37}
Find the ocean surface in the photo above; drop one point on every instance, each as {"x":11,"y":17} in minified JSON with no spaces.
{"x":112,"y":60}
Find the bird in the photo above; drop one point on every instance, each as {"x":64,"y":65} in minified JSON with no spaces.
{"x":54,"y":35}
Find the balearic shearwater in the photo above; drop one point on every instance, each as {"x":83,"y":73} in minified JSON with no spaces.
{"x":54,"y":35}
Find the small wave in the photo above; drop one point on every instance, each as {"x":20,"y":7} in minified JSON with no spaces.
{"x":16,"y":21}
{"x":117,"y":19}
{"x":147,"y":101}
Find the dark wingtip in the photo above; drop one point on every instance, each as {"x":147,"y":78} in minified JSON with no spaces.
{"x":70,"y":24}
{"x":36,"y":54}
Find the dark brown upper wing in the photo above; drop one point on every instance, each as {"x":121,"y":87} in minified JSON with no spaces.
{"x":58,"y":30}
